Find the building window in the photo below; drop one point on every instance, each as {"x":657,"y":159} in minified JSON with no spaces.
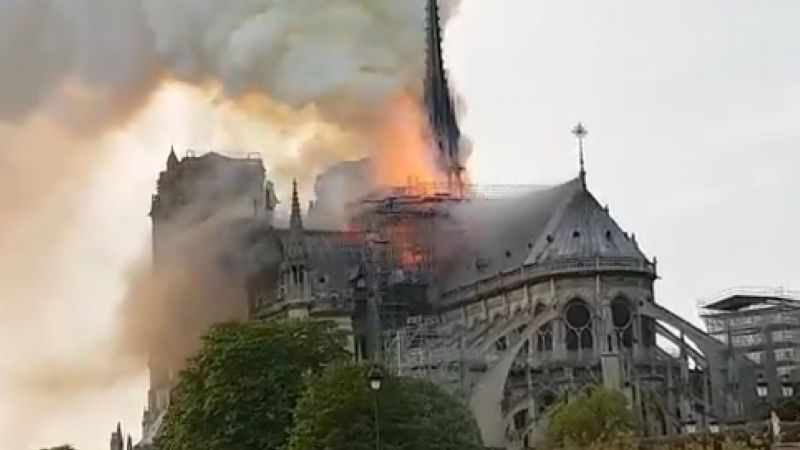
{"x":784,"y":354}
{"x":756,"y":357}
{"x":743,"y":322}
{"x":785,"y":371}
{"x":783,"y":336}
{"x":747,"y":340}
{"x":715,"y":325}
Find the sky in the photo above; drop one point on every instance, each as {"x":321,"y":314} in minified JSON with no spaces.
{"x":693,"y":112}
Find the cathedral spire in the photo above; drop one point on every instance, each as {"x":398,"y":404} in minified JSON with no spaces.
{"x":296,"y":220}
{"x":581,"y":132}
{"x":297,"y":242}
{"x":438,"y":101}
{"x":172,"y":159}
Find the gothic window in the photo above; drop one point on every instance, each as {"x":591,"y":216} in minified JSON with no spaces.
{"x":544,"y":338}
{"x":622,"y":319}
{"x":578,"y":319}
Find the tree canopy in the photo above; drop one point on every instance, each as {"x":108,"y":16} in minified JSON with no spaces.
{"x":240,"y":391}
{"x":601,"y":415}
{"x":337,"y":412}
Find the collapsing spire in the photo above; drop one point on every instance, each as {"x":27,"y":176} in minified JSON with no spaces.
{"x":438,"y":102}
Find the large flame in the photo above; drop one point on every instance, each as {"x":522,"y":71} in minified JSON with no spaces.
{"x":405,"y":156}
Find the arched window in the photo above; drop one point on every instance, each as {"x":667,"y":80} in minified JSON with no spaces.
{"x":544,"y":338}
{"x":578,"y":321}
{"x":622,"y":319}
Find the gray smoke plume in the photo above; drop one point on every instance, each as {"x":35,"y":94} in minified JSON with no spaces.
{"x":344,"y":56}
{"x":73,"y":70}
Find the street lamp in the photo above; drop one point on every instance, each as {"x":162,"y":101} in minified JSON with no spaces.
{"x":375,"y":379}
{"x":690,"y":425}
{"x":787,"y":389}
{"x":761,"y":388}
{"x":713,"y":426}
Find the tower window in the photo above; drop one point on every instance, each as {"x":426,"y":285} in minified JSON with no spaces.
{"x":576,"y":234}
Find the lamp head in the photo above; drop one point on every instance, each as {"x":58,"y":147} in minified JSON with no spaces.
{"x":375,"y":379}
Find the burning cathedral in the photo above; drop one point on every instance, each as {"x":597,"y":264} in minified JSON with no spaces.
{"x":513,"y":298}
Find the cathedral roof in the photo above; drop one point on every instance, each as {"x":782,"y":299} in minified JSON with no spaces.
{"x":558,"y":223}
{"x":580,"y":227}
{"x":331,"y":255}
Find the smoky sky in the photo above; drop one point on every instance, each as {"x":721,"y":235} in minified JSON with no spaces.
{"x":341,"y":55}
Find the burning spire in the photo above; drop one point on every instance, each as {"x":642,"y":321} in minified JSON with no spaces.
{"x":439,"y":103}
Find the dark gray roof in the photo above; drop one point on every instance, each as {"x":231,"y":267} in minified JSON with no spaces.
{"x":563,"y":221}
{"x":580,"y":227}
{"x":332,"y":255}
{"x":737,"y":302}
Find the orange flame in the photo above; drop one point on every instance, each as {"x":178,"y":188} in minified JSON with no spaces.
{"x":404,"y":156}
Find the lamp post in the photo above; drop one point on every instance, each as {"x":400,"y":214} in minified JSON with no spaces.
{"x":690,"y":425}
{"x":713,"y":426}
{"x":787,"y":389}
{"x":375,"y":383}
{"x":761,"y":388}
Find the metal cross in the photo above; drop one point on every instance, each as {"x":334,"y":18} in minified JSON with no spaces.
{"x":580,"y":132}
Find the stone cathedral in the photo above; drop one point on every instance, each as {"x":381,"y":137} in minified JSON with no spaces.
{"x":514,"y":300}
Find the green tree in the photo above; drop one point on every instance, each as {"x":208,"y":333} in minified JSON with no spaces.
{"x":240,"y":391}
{"x":599,"y":416}
{"x":337,"y":412}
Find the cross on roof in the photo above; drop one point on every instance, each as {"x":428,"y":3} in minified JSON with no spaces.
{"x":581,"y":132}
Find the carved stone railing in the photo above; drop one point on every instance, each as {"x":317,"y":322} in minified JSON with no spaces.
{"x":503,"y":281}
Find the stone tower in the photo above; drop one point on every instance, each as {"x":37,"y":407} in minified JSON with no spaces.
{"x":210,"y":188}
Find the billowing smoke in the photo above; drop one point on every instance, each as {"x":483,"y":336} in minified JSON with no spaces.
{"x":344,"y":56}
{"x":317,"y":72}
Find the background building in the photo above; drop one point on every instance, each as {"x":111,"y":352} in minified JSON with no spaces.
{"x":762,"y":325}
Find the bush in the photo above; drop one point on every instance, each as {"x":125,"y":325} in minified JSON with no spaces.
{"x":600,"y":417}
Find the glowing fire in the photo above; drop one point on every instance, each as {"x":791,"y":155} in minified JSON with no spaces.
{"x":405,"y":156}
